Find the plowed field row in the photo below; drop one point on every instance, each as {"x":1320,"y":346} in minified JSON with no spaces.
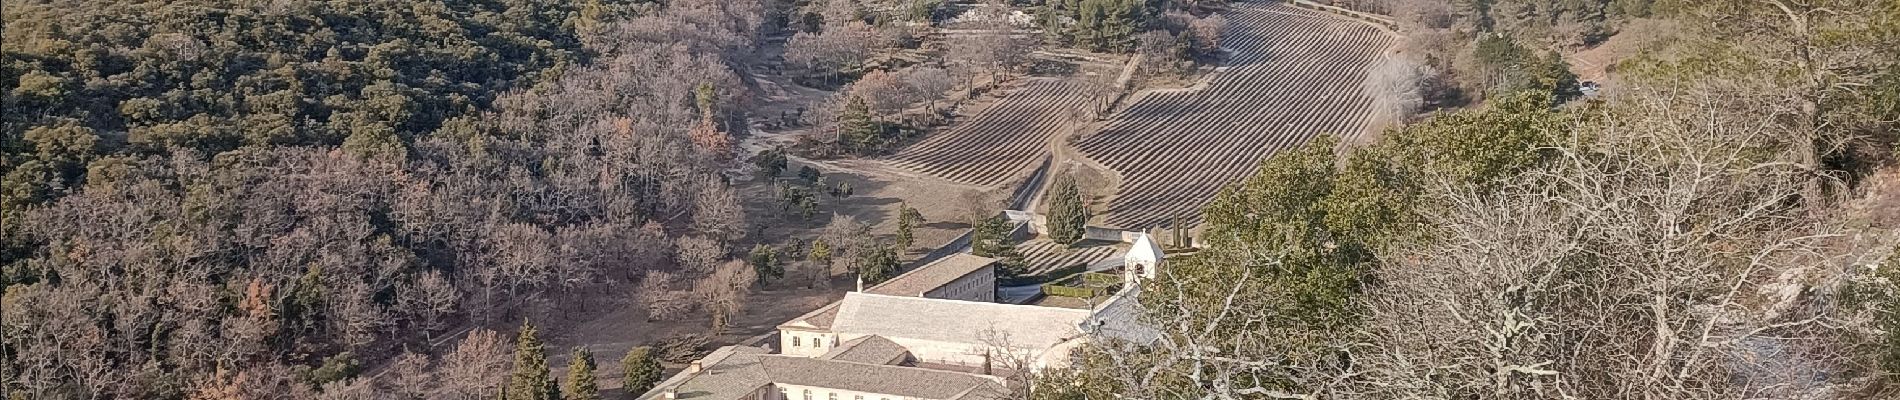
{"x":1295,"y":74}
{"x":1042,"y":256}
{"x":1000,"y":141}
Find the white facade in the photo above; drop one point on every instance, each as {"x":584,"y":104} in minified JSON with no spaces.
{"x":796,"y":392}
{"x":1143,"y":258}
{"x":977,"y":286}
{"x":806,"y":343}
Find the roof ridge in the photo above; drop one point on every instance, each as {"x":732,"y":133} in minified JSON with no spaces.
{"x":984,"y":303}
{"x":826,"y":360}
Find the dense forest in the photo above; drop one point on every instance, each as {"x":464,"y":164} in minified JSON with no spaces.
{"x":295,"y":189}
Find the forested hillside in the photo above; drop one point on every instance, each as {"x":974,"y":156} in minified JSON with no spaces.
{"x":212,"y":198}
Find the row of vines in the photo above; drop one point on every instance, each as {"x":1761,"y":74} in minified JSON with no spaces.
{"x":1295,"y":75}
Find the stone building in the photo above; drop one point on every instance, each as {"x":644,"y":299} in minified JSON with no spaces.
{"x":932,"y":333}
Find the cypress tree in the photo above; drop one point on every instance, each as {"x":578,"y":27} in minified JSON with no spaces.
{"x":580,"y":377}
{"x":531,"y":380}
{"x":642,"y":370}
{"x":907,"y":219}
{"x":1068,"y":214}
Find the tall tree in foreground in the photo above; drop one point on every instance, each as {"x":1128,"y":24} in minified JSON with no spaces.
{"x":1068,"y":211}
{"x":1832,"y":60}
{"x":580,"y":376}
{"x":1564,"y":279}
{"x":531,"y":379}
{"x":642,"y":370}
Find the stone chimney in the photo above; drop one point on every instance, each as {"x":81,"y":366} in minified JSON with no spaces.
{"x":694,"y":368}
{"x":860,"y":283}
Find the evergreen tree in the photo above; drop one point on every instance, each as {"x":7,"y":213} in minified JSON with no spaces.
{"x":764,"y":260}
{"x":907,"y":219}
{"x":991,"y":239}
{"x":809,"y":175}
{"x":706,"y":98}
{"x":1068,"y":213}
{"x":877,"y":264}
{"x":642,"y":370}
{"x":770,"y":162}
{"x":306,"y":302}
{"x":857,"y":132}
{"x":580,"y":377}
{"x":531,"y":380}
{"x":820,"y":252}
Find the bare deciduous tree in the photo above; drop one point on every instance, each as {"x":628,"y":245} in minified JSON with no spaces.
{"x":658,"y":295}
{"x":722,"y":294}
{"x":410,"y":376}
{"x":1397,"y":89}
{"x":478,"y":365}
{"x":698,"y":255}
{"x":428,"y":300}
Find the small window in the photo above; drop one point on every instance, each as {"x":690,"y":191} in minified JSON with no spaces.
{"x":833,"y":396}
{"x":857,"y":397}
{"x":795,"y":341}
{"x":782,"y":395}
{"x":817,"y":342}
{"x":807,"y":394}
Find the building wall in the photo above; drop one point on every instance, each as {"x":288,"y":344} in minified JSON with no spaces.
{"x":796,"y":392}
{"x":976,"y":286}
{"x":802,"y":343}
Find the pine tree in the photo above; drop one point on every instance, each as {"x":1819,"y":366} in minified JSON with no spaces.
{"x":907,"y":219}
{"x":1068,"y":214}
{"x":531,"y":380}
{"x":642,"y":370}
{"x":580,"y":377}
{"x":857,"y":131}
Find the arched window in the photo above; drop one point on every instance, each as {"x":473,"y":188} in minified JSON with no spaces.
{"x":782,"y":395}
{"x":795,"y":341}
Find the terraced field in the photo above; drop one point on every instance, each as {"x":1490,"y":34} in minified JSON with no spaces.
{"x":1295,"y":74}
{"x":992,"y":146}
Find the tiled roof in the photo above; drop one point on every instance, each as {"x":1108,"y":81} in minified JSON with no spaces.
{"x":881,"y":379}
{"x":933,"y":275}
{"x":869,"y":349}
{"x":956,"y":321}
{"x":1120,"y":318}
{"x":730,"y":373}
{"x":1145,"y":248}
{"x":819,"y":319}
